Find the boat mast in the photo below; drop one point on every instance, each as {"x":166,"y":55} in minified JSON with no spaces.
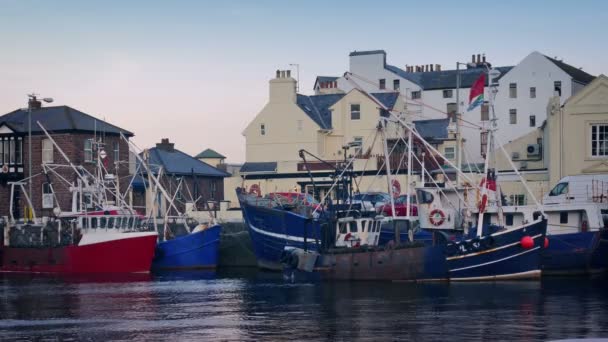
{"x":409,"y":173}
{"x":387,"y":165}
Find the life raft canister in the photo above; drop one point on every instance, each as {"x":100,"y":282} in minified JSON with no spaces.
{"x":437,"y":217}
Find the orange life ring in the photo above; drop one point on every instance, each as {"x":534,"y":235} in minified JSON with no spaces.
{"x":437,"y":217}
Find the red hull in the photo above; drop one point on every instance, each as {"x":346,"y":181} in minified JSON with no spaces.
{"x":128,"y":255}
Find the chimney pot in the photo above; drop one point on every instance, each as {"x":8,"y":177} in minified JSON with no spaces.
{"x":288,"y":73}
{"x":484,"y":58}
{"x":438,"y":67}
{"x":432,"y":67}
{"x":478,"y":58}
{"x":473,"y":58}
{"x":278,"y":73}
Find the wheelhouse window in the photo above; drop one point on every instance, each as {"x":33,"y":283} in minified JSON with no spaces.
{"x":47,"y":151}
{"x":518,"y":199}
{"x":599,"y":140}
{"x":88,"y":150}
{"x":416,"y":95}
{"x":424,"y":197}
{"x":563,"y":217}
{"x":559,"y":189}
{"x":448,"y":93}
{"x":508,"y":219}
{"x":355,"y":111}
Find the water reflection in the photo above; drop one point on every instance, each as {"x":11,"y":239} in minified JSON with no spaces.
{"x":252,"y":305}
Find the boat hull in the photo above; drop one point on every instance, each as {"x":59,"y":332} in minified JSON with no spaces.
{"x":272,"y":230}
{"x":130,"y":253}
{"x":500,"y":255}
{"x":576,"y":253}
{"x":197,"y":250}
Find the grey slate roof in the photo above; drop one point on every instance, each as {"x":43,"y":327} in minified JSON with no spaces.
{"x":209,"y":153}
{"x":317,"y":106}
{"x":445,"y":79}
{"x":370,"y":52}
{"x":574,"y":72}
{"x":432,"y":129}
{"x":59,"y":119}
{"x":252,"y":167}
{"x":179,"y":163}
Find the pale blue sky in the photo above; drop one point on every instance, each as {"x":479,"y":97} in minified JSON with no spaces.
{"x":197,"y":71}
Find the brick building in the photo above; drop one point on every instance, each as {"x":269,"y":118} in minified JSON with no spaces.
{"x":80,"y":136}
{"x":201,"y":182}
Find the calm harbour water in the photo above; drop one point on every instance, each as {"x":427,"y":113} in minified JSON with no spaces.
{"x":250,"y":305}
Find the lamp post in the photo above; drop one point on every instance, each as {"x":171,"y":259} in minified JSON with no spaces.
{"x":32,"y":103}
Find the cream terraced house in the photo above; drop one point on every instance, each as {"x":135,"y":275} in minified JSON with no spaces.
{"x":572,"y":141}
{"x":329,"y":125}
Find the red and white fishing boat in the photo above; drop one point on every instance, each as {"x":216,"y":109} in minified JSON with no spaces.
{"x":96,"y":236}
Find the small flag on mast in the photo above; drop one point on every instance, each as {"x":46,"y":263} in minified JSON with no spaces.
{"x":476,"y":95}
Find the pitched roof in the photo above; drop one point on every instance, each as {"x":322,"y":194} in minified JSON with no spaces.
{"x":253,"y":167}
{"x":59,"y":118}
{"x":444,"y":79}
{"x":179,"y":163}
{"x":209,"y":153}
{"x":317,"y":106}
{"x":432,"y":129}
{"x":574,"y":72}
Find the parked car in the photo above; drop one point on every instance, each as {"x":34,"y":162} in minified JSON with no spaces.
{"x":295,"y":198}
{"x":400,"y":207}
{"x":371,"y":201}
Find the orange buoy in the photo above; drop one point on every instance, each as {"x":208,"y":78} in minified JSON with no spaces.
{"x":527,"y":242}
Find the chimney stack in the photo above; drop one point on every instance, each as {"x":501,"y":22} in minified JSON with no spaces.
{"x":283,"y":88}
{"x":438,"y":67}
{"x":484,"y":58}
{"x":432,"y":67}
{"x":478,"y":58}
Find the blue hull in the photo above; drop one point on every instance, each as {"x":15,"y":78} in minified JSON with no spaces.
{"x":498,"y":256}
{"x":197,"y":250}
{"x":576,"y":253}
{"x":272,"y":230}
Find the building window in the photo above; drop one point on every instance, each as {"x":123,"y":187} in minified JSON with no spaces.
{"x":513,"y":116}
{"x":262,"y":129}
{"x":485,"y":112}
{"x":47,"y":196}
{"x":116,"y":152}
{"x":513,"y":90}
{"x":449,"y":152}
{"x":532,"y":120}
{"x":416,"y":95}
{"x":447,"y":94}
{"x":213,"y":189}
{"x":532,"y":92}
{"x":19,"y":151}
{"x":563,"y":217}
{"x":5,"y":149}
{"x":382,"y":83}
{"x":355,"y":111}
{"x":451,"y":110}
{"x":396,"y":84}
{"x":88,"y":150}
{"x":1,"y":152}
{"x":300,"y":124}
{"x":47,"y":151}
{"x":358,"y":142}
{"x":557,"y":87}
{"x":518,"y":199}
{"x":12,"y":151}
{"x":599,"y":140}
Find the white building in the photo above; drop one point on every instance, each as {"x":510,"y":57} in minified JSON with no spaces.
{"x":431,"y":92}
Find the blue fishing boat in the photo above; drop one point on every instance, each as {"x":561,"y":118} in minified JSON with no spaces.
{"x":196,"y":250}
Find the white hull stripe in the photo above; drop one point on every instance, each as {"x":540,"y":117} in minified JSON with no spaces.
{"x":520,"y":275}
{"x":489,"y":250}
{"x":279,"y":236}
{"x":495,"y":261}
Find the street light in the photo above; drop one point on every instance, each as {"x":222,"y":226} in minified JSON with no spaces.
{"x":32,"y":103}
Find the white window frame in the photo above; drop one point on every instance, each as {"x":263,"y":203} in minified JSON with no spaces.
{"x":532,"y":92}
{"x":48,"y":200}
{"x":88,"y":151}
{"x":47,"y":151}
{"x":600,"y":144}
{"x":416,"y":94}
{"x":513,"y":116}
{"x":262,"y":129}
{"x":359,"y":148}
{"x":451,"y":154}
{"x":353,"y":112}
{"x":12,"y":151}
{"x":448,"y":93}
{"x":513,"y":90}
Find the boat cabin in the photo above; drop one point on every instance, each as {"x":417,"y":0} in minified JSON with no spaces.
{"x":441,"y":208}
{"x":356,"y":232}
